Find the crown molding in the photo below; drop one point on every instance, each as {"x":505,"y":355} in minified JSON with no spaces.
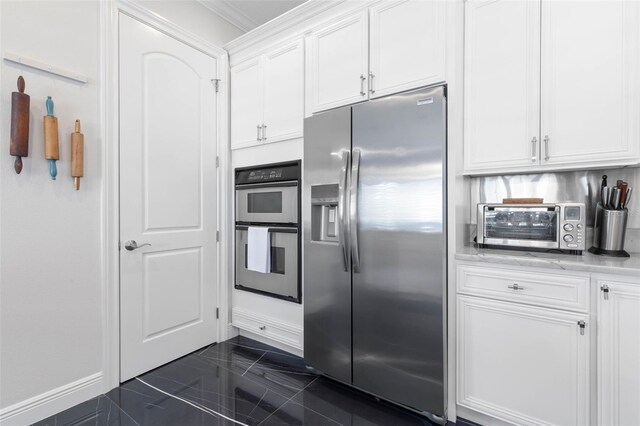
{"x":293,"y":17}
{"x":229,"y":13}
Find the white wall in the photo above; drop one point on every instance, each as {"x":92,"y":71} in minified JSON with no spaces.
{"x":52,"y":285}
{"x":196,"y":18}
{"x":50,"y":245}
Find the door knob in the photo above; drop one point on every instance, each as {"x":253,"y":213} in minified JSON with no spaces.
{"x":132,"y":245}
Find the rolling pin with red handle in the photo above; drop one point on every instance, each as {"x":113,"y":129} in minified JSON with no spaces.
{"x":51,"y":146}
{"x":19,"y":139}
{"x":77,"y":155}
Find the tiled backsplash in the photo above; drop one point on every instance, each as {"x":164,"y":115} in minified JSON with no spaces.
{"x":576,"y":186}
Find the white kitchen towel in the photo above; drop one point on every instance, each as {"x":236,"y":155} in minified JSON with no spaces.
{"x":259,"y":250}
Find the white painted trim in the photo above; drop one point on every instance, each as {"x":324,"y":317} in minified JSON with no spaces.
{"x":229,"y":13}
{"x":111,"y":203}
{"x":279,"y":25}
{"x":276,"y":330}
{"x":51,"y":402}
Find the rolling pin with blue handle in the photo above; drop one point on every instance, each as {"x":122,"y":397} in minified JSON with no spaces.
{"x":51,"y":147}
{"x":77,"y":155}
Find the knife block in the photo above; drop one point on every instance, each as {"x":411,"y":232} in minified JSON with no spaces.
{"x":609,"y":232}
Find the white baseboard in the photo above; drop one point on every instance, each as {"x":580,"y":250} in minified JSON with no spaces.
{"x":269,"y":328}
{"x":49,"y":403}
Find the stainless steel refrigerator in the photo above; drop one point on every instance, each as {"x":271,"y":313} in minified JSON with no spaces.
{"x":375,"y":247}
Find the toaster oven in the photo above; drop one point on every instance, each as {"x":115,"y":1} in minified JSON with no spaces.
{"x":533,"y":226}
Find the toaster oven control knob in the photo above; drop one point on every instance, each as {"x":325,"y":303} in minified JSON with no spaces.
{"x":568,"y":227}
{"x":568,"y":238}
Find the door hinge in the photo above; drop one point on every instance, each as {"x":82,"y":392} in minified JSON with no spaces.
{"x":216,"y":84}
{"x":605,"y":290}
{"x":217,"y":161}
{"x":217,"y":313}
{"x":217,"y":236}
{"x":582,"y":326}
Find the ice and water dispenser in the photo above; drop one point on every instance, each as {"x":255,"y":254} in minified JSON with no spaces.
{"x":324,"y":212}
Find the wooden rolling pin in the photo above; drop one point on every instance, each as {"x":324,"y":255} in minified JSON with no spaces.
{"x":51,"y":146}
{"x":77,"y":155}
{"x":19,"y":139}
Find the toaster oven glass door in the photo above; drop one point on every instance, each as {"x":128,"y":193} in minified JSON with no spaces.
{"x":522,"y":226}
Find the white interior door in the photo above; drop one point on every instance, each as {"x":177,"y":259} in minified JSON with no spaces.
{"x":168,"y":198}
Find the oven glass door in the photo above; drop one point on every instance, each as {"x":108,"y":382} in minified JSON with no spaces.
{"x":271,"y":203}
{"x":522,"y":226}
{"x":282,"y":281}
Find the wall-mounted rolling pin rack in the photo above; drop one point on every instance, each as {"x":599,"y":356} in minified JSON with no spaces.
{"x":19,"y":138}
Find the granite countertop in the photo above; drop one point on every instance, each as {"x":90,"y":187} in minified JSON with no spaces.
{"x":587,"y":262}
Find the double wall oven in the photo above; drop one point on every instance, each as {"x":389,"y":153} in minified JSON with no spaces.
{"x":268,"y":196}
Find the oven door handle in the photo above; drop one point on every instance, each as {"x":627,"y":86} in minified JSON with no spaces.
{"x":353,"y":211}
{"x":343,"y":187}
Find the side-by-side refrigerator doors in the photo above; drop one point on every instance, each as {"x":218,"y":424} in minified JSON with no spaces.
{"x":399,"y":246}
{"x":327,"y":265}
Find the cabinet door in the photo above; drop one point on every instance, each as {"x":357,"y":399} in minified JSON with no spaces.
{"x":590,"y":82}
{"x":246,"y":104}
{"x":525,"y":365}
{"x":339,"y":63}
{"x":407,"y":45}
{"x":283,"y":93}
{"x":502,"y":86}
{"x":619,"y":353}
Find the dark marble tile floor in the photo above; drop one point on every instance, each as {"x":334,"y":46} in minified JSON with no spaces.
{"x":237,"y":382}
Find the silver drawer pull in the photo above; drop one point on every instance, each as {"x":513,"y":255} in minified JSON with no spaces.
{"x":263,"y":327}
{"x":515,"y":287}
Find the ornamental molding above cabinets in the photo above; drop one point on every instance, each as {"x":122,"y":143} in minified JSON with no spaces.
{"x":551,"y":85}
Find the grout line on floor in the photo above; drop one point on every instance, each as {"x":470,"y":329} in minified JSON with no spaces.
{"x":287,"y":401}
{"x":198,"y":406}
{"x":121,"y":409}
{"x":254,"y":363}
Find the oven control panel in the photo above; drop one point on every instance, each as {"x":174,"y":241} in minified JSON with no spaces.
{"x":271,"y":173}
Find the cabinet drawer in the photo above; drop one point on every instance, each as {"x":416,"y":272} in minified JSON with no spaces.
{"x":554,"y":290}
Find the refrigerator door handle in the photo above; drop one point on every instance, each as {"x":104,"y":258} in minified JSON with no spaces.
{"x":353,"y":211}
{"x":343,"y":189}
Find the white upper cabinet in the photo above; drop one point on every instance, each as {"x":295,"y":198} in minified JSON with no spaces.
{"x":339,"y":63}
{"x":407,"y":45}
{"x":618,"y":352}
{"x":502,"y":84}
{"x":246,"y":103}
{"x":574,"y":64}
{"x":267,"y":97}
{"x":283,"y":93}
{"x":391,"y":47}
{"x":590,"y":81}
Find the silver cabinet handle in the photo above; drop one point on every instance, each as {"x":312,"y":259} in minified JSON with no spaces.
{"x":515,"y":287}
{"x":353,"y":211}
{"x":546,"y":147}
{"x":582,"y":326}
{"x":534,"y":149}
{"x":343,"y":189}
{"x":371,"y":76}
{"x":264,"y":132}
{"x":258,"y":134}
{"x":263,"y":327}
{"x":362,"y":79}
{"x":605,"y":290}
{"x":131,"y":245}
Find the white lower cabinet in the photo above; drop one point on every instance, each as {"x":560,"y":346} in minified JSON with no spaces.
{"x":523,"y":364}
{"x":618,"y":351}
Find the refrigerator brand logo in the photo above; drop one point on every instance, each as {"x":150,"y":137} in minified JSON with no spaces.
{"x":425,"y":101}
